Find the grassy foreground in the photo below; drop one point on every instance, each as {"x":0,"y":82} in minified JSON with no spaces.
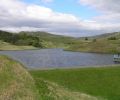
{"x":15,"y":82}
{"x":102,"y":83}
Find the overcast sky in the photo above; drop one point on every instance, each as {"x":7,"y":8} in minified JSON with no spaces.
{"x":66,"y":17}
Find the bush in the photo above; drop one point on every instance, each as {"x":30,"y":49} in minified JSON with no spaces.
{"x":21,"y":39}
{"x":94,"y":40}
{"x":86,"y":38}
{"x":112,"y":38}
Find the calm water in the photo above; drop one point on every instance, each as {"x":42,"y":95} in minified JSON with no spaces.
{"x":56,"y":58}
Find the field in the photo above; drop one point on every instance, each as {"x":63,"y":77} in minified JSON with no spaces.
{"x":101,"y":83}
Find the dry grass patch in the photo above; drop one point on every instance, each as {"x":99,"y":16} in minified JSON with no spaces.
{"x":15,"y":82}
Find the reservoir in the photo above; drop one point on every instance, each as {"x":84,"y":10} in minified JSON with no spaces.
{"x":58,"y":58}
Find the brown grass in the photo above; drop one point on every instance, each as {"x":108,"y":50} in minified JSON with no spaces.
{"x":15,"y":82}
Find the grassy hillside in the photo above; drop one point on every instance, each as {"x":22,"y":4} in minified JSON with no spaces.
{"x":15,"y":82}
{"x":109,"y":43}
{"x":105,"y":43}
{"x":100,"y":46}
{"x":51,"y":40}
{"x":106,"y":35}
{"x":100,"y":83}
{"x":8,"y":46}
{"x":36,"y":39}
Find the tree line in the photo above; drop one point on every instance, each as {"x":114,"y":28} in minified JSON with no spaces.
{"x":21,"y":39}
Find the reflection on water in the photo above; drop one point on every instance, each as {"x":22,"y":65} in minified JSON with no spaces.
{"x":53,"y":58}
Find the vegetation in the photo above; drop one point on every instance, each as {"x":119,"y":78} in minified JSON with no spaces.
{"x":58,"y":84}
{"x":8,"y":46}
{"x":105,"y":43}
{"x":36,"y":39}
{"x":20,"y":39}
{"x":15,"y":82}
{"x":52,"y":41}
{"x":112,"y":38}
{"x":100,"y":44}
{"x":86,"y":38}
{"x":102,"y":83}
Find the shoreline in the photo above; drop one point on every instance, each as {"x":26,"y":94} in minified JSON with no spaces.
{"x":72,"y":68}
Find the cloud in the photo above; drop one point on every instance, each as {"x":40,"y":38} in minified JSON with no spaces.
{"x":47,"y":1}
{"x":16,"y":15}
{"x":107,"y":6}
{"x":110,"y":10}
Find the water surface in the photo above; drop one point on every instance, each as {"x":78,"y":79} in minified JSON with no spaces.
{"x":57,"y":58}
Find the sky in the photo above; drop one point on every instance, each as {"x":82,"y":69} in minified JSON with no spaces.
{"x":65,"y":17}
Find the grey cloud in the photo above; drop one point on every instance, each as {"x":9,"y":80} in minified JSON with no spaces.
{"x":108,"y":6}
{"x":18,"y":16}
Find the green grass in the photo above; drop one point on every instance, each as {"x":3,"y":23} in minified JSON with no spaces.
{"x":8,"y":46}
{"x":15,"y":82}
{"x":97,"y":82}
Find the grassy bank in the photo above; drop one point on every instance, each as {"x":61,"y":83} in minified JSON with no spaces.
{"x":99,"y":46}
{"x":102,"y":83}
{"x":15,"y":82}
{"x":8,"y":46}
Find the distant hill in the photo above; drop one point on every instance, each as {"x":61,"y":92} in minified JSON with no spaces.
{"x":105,"y":43}
{"x":107,"y":35}
{"x":20,"y":39}
{"x":51,"y":40}
{"x":36,"y":39}
{"x":45,"y":36}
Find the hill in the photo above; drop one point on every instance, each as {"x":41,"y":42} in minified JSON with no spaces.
{"x":15,"y":82}
{"x":20,"y":39}
{"x":105,"y":43}
{"x":36,"y":39}
{"x":51,"y":40}
{"x":8,"y":46}
{"x":106,"y":35}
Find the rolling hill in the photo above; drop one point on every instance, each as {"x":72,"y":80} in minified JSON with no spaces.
{"x":105,"y":43}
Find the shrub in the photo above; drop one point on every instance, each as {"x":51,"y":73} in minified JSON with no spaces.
{"x":112,"y":38}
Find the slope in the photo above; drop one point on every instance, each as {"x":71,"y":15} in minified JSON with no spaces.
{"x":15,"y":82}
